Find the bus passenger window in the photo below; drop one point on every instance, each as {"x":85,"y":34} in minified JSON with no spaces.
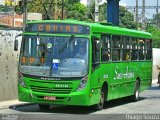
{"x":116,"y":48}
{"x":116,"y":55}
{"x":116,"y":41}
{"x":126,"y":55}
{"x":106,"y":55}
{"x":149,"y":55}
{"x":141,"y":49}
{"x":134,"y":48}
{"x":125,"y":49}
{"x":106,"y":49}
{"x":148,"y":49}
{"x":134,"y":55}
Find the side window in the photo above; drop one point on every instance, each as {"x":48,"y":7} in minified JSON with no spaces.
{"x":134,"y":48}
{"x":95,"y":52}
{"x":116,"y":48}
{"x":106,"y":48}
{"x":126,"y":49}
{"x":141,"y":49}
{"x":148,"y":49}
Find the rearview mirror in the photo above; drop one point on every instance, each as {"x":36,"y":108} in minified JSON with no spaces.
{"x":16,"y":42}
{"x":16,"y":45}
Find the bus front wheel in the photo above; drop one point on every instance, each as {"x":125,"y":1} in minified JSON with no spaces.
{"x":100,"y":105}
{"x":43,"y":107}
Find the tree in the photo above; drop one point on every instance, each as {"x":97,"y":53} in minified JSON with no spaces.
{"x":156,"y":36}
{"x":72,"y":9}
{"x":90,"y":12}
{"x":4,"y":8}
{"x":76,"y":11}
{"x":156,"y":19}
{"x":127,"y":19}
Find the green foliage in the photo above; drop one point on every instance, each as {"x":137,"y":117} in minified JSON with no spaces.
{"x":73,"y":9}
{"x":156,"y":36}
{"x":35,"y":6}
{"x":156,"y":19}
{"x":76,"y":11}
{"x":4,"y":8}
{"x":71,"y":1}
{"x":127,"y":19}
{"x":90,"y":12}
{"x":103,"y":12}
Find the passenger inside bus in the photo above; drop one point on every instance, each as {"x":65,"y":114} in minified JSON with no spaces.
{"x":116,"y":55}
{"x":141,"y":54}
{"x":106,"y":56}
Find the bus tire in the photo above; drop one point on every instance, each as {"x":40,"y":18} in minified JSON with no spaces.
{"x":159,"y":79}
{"x":100,"y":105}
{"x":43,"y":107}
{"x":135,"y":97}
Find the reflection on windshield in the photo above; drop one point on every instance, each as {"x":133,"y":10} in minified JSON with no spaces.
{"x":54,"y":56}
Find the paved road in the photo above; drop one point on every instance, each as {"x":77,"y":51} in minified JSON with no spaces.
{"x":117,"y":110}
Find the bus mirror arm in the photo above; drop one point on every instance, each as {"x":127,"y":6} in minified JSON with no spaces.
{"x":16,"y":42}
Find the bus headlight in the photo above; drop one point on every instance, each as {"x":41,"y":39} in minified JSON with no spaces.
{"x":83,"y":83}
{"x":20,"y":80}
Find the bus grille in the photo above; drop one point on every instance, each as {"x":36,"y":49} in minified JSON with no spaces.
{"x":51,"y":90}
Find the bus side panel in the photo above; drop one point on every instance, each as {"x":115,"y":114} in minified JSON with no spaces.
{"x":106,"y":69}
{"x":146,"y":79}
{"x":95,"y":86}
{"x":122,"y":80}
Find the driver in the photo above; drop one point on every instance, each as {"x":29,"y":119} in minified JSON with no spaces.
{"x":81,"y":53}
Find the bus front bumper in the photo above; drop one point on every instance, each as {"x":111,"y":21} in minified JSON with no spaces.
{"x":80,"y":98}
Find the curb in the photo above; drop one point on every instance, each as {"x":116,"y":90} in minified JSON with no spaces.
{"x":13,"y":106}
{"x":19,"y":105}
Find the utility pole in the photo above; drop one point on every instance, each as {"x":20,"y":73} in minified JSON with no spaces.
{"x":96,"y":11}
{"x":24,"y":13}
{"x":55,"y":13}
{"x":62,"y":9}
{"x":143,"y":14}
{"x":157,"y":14}
{"x":137,"y":11}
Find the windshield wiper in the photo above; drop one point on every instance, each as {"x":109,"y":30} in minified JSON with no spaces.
{"x":62,"y":49}
{"x":65,"y":45}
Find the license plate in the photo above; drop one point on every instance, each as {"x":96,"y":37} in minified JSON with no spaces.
{"x":49,"y":98}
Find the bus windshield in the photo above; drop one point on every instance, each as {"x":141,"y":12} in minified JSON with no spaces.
{"x":54,"y":56}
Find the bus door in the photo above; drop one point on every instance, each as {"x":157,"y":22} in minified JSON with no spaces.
{"x":96,"y":73}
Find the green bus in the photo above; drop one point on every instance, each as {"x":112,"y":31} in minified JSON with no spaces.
{"x":70,"y":62}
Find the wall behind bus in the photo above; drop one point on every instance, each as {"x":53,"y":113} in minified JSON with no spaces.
{"x":8,"y":65}
{"x":156,"y":61}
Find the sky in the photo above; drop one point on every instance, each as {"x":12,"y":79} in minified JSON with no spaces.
{"x":149,"y":12}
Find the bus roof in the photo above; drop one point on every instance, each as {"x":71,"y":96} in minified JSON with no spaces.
{"x":100,"y":28}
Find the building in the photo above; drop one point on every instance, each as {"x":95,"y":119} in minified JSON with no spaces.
{"x":11,"y":20}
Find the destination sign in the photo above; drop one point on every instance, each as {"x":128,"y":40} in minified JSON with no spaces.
{"x":58,"y":28}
